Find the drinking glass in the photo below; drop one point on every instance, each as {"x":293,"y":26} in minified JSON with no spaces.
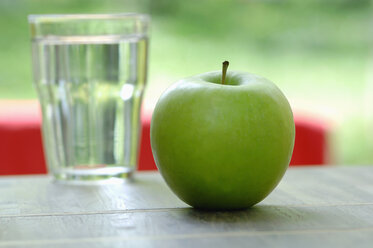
{"x":90,"y":74}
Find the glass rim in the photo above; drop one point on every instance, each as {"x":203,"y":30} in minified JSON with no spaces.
{"x":37,"y":18}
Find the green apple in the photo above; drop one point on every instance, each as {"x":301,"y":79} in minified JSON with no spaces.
{"x":222,"y":140}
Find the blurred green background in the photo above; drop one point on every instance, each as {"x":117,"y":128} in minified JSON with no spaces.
{"x":318,"y":52}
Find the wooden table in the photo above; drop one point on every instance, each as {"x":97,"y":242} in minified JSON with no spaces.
{"x":312,"y":207}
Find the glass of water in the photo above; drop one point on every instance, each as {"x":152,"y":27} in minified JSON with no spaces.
{"x":90,"y":74}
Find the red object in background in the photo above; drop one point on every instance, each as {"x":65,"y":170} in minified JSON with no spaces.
{"x":146,"y":161}
{"x":21,"y":149}
{"x":311,"y":142}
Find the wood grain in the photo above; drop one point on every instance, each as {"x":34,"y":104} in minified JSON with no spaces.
{"x":40,"y":195}
{"x":186,"y":224}
{"x":323,"y":207}
{"x":348,"y":239}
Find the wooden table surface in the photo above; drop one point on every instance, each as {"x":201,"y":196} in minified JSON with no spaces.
{"x":312,"y":207}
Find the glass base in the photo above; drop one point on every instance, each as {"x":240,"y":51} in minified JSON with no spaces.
{"x":107,"y":175}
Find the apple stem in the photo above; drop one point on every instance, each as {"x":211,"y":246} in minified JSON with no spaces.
{"x":225,"y":67}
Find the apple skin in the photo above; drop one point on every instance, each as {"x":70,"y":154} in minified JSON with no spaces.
{"x":222,"y":147}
